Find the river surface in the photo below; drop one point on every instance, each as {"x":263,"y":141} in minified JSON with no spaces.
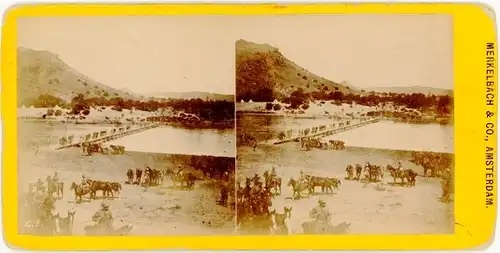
{"x":381,"y":135}
{"x":166,"y":139}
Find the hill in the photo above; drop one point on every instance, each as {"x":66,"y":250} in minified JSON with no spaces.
{"x":191,"y":95}
{"x":413,"y":89}
{"x":42,"y":72}
{"x":263,"y":73}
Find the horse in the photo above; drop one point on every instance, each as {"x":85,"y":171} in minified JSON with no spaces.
{"x":80,"y":191}
{"x":105,"y":187}
{"x":281,"y":226}
{"x":66,"y":224}
{"x":116,"y":187}
{"x":244,"y":193}
{"x":324,"y":183}
{"x":138,"y":176}
{"x":55,"y":187}
{"x":273,"y":182}
{"x":395,"y":174}
{"x":358,"y":168}
{"x":350,"y":172}
{"x":130,"y":176}
{"x":336,"y":183}
{"x":375,"y":172}
{"x":188,"y":178}
{"x":411,"y":176}
{"x":298,"y":188}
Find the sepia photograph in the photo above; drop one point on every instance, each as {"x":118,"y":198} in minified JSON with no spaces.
{"x":126,"y":126}
{"x":344,"y":124}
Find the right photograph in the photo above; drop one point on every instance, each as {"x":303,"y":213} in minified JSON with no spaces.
{"x":345,"y":124}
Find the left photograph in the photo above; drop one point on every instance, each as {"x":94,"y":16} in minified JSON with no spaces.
{"x":126,"y":126}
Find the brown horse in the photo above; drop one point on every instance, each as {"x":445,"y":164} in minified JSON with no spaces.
{"x":350,"y":172}
{"x":411,"y":176}
{"x":358,"y":168}
{"x":130,"y":176}
{"x":298,"y":188}
{"x":116,"y":187}
{"x":56,"y":187}
{"x":80,"y":191}
{"x":272,"y":182}
{"x":326,"y":184}
{"x":395,"y":174}
{"x":105,"y":187}
{"x":187,"y":178}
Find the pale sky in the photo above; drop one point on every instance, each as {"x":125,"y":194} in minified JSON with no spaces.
{"x":196,"y":53}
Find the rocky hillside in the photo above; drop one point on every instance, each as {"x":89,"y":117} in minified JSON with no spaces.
{"x":191,"y":95}
{"x":42,"y":72}
{"x":263,"y":73}
{"x":413,"y":89}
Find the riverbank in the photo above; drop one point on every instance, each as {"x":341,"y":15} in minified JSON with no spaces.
{"x":377,"y":208}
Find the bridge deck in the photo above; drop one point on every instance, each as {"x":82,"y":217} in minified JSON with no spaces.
{"x":327,"y":131}
{"x":104,"y":136}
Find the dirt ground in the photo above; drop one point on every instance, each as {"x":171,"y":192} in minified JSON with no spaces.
{"x":161,"y":210}
{"x":375,"y":208}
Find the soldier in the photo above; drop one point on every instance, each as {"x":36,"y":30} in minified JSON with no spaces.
{"x":138,"y":175}
{"x":39,"y":185}
{"x":85,"y":181}
{"x":302,"y":178}
{"x":445,"y":186}
{"x":180,"y":170}
{"x":321,"y":214}
{"x":104,"y":219}
{"x":273,"y":173}
{"x":400,"y":166}
{"x":55,"y":177}
{"x":256,"y":179}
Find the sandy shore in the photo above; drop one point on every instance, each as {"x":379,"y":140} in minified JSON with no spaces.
{"x":377,"y":208}
{"x":161,"y":210}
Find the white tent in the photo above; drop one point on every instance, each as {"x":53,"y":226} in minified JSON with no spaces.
{"x":250,"y":101}
{"x":57,"y":107}
{"x":276,"y":101}
{"x":242,"y":101}
{"x":23,"y":106}
{"x":32,"y":107}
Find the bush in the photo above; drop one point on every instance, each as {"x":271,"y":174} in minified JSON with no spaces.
{"x":58,"y":113}
{"x":277,"y":107}
{"x":305,"y":106}
{"x":269,"y":106}
{"x":50,"y":112}
{"x":86,"y":112}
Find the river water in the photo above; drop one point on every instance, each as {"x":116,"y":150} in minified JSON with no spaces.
{"x":382,"y":135}
{"x":166,"y":139}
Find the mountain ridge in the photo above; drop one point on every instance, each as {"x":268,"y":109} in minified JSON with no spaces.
{"x":43,"y":72}
{"x":263,"y":72}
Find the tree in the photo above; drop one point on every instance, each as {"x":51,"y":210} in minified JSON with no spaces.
{"x":297,"y":98}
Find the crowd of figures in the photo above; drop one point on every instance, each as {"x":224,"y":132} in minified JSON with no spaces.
{"x":438,"y":164}
{"x":40,"y":202}
{"x":255,"y":212}
{"x":375,"y":173}
{"x":255,"y":203}
{"x":306,"y":143}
